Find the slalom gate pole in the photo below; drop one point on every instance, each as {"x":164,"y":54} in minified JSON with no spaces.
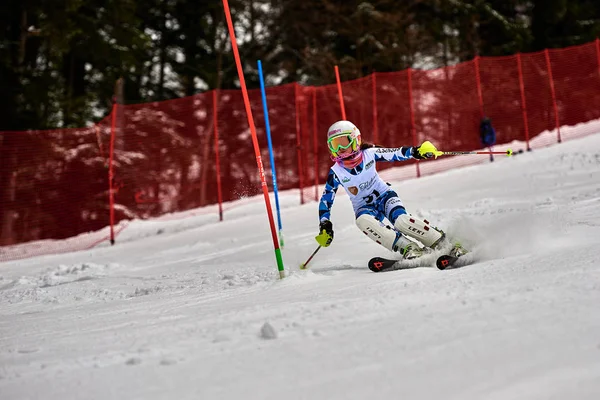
{"x":304,"y":264}
{"x":508,"y":153}
{"x":111,"y":174}
{"x":271,"y":158}
{"x":340,"y":94}
{"x":259,"y":163}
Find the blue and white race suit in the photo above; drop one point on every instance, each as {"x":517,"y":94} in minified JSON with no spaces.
{"x":368,"y":193}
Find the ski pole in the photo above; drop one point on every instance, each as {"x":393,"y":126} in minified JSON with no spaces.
{"x":303,"y":265}
{"x":508,"y":152}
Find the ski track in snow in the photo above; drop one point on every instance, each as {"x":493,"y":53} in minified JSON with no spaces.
{"x":193,"y":309}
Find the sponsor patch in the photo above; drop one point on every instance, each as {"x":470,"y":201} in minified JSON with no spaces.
{"x":353,"y":190}
{"x":367,"y":185}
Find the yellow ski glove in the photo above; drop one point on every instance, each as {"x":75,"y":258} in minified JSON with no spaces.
{"x":426,"y":150}
{"x":325,"y":235}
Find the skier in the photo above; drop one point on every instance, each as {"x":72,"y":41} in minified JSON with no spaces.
{"x":372,"y":199}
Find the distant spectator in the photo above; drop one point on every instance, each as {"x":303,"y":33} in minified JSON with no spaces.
{"x":487,"y":134}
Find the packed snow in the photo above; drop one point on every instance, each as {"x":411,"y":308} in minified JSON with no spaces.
{"x":192,"y":308}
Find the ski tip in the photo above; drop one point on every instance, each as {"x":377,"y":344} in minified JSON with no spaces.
{"x":380,"y":264}
{"x":445,"y":261}
{"x":375,"y":265}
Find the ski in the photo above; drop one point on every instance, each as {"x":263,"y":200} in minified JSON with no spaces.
{"x":380,"y":264}
{"x":445,"y":261}
{"x":457,"y":257}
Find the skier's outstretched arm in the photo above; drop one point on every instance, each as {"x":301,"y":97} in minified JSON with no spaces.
{"x":400,"y":153}
{"x":331,"y":186}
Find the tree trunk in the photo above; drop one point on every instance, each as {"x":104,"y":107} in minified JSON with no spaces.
{"x":23,"y":41}
{"x":8,"y":188}
{"x":120,"y":123}
{"x":162,"y":59}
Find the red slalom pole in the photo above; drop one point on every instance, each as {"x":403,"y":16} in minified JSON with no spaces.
{"x":261,"y":170}
{"x":111,"y":174}
{"x":553,"y":92}
{"x":341,"y":96}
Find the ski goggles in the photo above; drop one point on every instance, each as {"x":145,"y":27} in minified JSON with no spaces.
{"x":342,"y":141}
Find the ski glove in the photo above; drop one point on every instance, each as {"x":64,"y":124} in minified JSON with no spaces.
{"x":325,"y":235}
{"x":425,"y":150}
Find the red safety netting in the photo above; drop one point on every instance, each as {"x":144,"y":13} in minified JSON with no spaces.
{"x":56,"y":191}
{"x":54,"y":186}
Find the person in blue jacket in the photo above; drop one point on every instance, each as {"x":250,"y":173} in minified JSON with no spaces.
{"x":487,"y":134}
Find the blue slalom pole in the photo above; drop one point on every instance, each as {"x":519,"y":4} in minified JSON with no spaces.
{"x":268,"y":125}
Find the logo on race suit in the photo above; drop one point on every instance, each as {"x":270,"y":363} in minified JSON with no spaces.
{"x":353,"y":190}
{"x":345,"y":179}
{"x":369,"y":164}
{"x":389,"y":150}
{"x":367,"y":185}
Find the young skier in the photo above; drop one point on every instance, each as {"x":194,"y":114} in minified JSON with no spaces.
{"x":371,"y":197}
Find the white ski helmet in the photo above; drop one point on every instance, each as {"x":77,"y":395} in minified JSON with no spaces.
{"x":342,"y":135}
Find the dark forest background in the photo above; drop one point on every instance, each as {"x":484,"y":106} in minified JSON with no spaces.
{"x":59,"y":59}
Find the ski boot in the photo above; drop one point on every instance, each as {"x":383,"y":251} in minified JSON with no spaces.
{"x":440,"y":242}
{"x":458,"y":250}
{"x":411,"y":251}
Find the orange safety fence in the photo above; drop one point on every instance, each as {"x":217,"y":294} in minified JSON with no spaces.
{"x":192,"y":152}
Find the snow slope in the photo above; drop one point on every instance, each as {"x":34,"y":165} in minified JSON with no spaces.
{"x":193,"y":309}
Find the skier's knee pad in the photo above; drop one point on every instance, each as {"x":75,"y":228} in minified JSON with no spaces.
{"x":419,"y":229}
{"x":377,"y":231}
